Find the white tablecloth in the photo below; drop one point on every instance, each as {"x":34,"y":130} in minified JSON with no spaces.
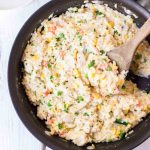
{"x":13,"y":134}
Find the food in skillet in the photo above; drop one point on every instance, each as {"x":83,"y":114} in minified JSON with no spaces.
{"x":77,"y":89}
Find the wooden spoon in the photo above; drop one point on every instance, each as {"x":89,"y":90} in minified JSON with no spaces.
{"x":123,"y":54}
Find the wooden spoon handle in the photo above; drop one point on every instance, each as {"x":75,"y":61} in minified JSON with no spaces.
{"x":142,"y":33}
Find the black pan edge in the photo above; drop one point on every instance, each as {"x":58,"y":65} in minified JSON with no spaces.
{"x":14,"y":85}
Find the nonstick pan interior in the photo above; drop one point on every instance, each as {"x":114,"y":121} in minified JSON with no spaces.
{"x":27,"y":112}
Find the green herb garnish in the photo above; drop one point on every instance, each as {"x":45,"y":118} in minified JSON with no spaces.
{"x":60,"y":126}
{"x":80,"y":37}
{"x":59,"y":93}
{"x":76,"y":113}
{"x":61,"y":36}
{"x":80,"y":99}
{"x":80,"y":21}
{"x":138,"y":56}
{"x":98,"y":13}
{"x":86,"y":76}
{"x":51,"y":77}
{"x":116,"y":33}
{"x":109,"y":68}
{"x":102,"y":52}
{"x":123,"y":87}
{"x":120,"y":121}
{"x":122,"y":135}
{"x":49,"y":65}
{"x":85,"y":114}
{"x":66,"y":108}
{"x":91,"y":64}
{"x":49,"y":104}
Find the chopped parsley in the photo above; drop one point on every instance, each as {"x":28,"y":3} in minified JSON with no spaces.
{"x":86,"y":76}
{"x":85,"y":114}
{"x":49,"y":104}
{"x":49,"y":65}
{"x":116,"y":33}
{"x":123,"y":87}
{"x":120,"y":121}
{"x":61,"y":36}
{"x":91,"y":64}
{"x":80,"y":21}
{"x":98,"y":13}
{"x":80,"y":37}
{"x":102,"y":51}
{"x":76,"y":113}
{"x":66,"y":108}
{"x":122,"y":135}
{"x":138,"y":56}
{"x":60,"y":126}
{"x":80,"y":99}
{"x":51,"y":77}
{"x":59,"y":93}
{"x":109,"y":68}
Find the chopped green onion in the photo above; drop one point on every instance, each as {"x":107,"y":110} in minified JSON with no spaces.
{"x":49,"y":104}
{"x":123,"y":87}
{"x":76,"y":113}
{"x":80,"y":37}
{"x":91,"y":64}
{"x":60,"y":126}
{"x":116,"y":32}
{"x":138,"y":56}
{"x":79,"y":99}
{"x":85,"y":114}
{"x":51,"y":77}
{"x":80,"y":21}
{"x":102,"y":52}
{"x":61,"y":36}
{"x":120,"y":121}
{"x":122,"y":135}
{"x":98,"y":13}
{"x":49,"y":65}
{"x":66,"y":107}
{"x":59,"y":93}
{"x":109,"y":68}
{"x":86,"y":76}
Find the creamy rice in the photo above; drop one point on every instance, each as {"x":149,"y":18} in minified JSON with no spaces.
{"x":77,"y":89}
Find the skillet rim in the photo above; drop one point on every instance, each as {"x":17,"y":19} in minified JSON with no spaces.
{"x":23,"y":117}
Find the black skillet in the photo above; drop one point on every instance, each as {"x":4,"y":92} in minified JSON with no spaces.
{"x":27,"y":112}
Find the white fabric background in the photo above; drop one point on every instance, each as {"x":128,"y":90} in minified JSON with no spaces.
{"x":13,"y":134}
